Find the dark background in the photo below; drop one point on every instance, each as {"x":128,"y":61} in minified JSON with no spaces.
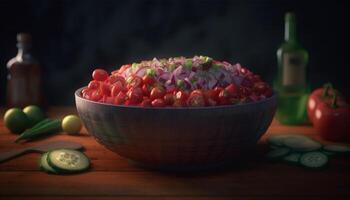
{"x":71,"y":38}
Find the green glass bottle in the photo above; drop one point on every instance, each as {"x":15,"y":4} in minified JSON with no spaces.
{"x":291,"y":82}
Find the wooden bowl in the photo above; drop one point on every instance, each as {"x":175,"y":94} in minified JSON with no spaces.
{"x":177,"y":138}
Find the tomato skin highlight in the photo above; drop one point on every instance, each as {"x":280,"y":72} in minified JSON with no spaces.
{"x":181,"y":96}
{"x":99,"y":75}
{"x":158,"y":103}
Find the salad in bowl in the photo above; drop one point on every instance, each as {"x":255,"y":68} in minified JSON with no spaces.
{"x":177,"y":113}
{"x":177,"y":82}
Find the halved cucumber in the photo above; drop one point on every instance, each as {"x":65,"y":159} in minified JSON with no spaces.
{"x":314,"y":159}
{"x":301,"y":144}
{"x":277,"y":153}
{"x":68,"y":161}
{"x":292,"y":158}
{"x":44,"y":165}
{"x":335,"y":148}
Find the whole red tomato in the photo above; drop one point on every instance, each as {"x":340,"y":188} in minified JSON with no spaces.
{"x":320,"y":95}
{"x":332,"y":120}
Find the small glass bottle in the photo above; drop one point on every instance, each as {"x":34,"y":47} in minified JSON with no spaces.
{"x":24,"y":76}
{"x":291,"y":80}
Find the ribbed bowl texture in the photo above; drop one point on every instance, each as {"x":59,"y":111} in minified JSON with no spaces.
{"x":177,"y":138}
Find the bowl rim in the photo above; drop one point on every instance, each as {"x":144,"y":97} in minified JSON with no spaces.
{"x":77,"y":94}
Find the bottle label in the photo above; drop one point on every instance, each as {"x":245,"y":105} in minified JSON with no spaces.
{"x":293,"y":69}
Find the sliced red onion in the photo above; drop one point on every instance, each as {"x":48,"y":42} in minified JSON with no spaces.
{"x":140,"y":72}
{"x":212,"y":83}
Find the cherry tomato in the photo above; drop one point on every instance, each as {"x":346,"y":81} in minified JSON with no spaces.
{"x":107,"y":99}
{"x":158,"y":103}
{"x":94,"y":85}
{"x":146,"y":102}
{"x":197,"y":92}
{"x":134,"y":81}
{"x":116,"y":88}
{"x":224,"y":98}
{"x":216,"y":93}
{"x":196,"y":100}
{"x":116,"y":78}
{"x":146,"y":89}
{"x":135,"y":95}
{"x":181,"y":96}
{"x":210,"y":102}
{"x":105,"y":89}
{"x":95,"y":95}
{"x":86,"y":93}
{"x":99,"y":75}
{"x":123,"y":68}
{"x":120,"y":98}
{"x":231,"y":90}
{"x":169,"y":99}
{"x":171,"y":91}
{"x":157,"y":93}
{"x":148,"y":80}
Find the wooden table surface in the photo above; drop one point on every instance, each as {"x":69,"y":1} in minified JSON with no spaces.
{"x":112,"y":177}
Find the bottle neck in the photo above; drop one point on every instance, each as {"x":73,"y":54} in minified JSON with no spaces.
{"x":290,"y":34}
{"x":23,"y":50}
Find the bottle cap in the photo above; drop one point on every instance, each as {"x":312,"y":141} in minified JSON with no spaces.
{"x":24,"y":38}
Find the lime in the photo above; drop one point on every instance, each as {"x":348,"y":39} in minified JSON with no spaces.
{"x":16,"y":120}
{"x":71,"y":124}
{"x":34,"y":114}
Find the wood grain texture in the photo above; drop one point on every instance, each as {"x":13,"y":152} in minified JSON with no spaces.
{"x":112,"y":177}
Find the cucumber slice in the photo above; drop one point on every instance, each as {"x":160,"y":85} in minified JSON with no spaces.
{"x":334,"y":148}
{"x":277,"y":153}
{"x":314,"y":159}
{"x":328,"y":153}
{"x":292,"y":158}
{"x":278,"y":140}
{"x":301,"y":144}
{"x":44,"y":165}
{"x":68,"y":161}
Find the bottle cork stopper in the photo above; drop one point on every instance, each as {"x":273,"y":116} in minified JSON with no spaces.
{"x":24,"y":38}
